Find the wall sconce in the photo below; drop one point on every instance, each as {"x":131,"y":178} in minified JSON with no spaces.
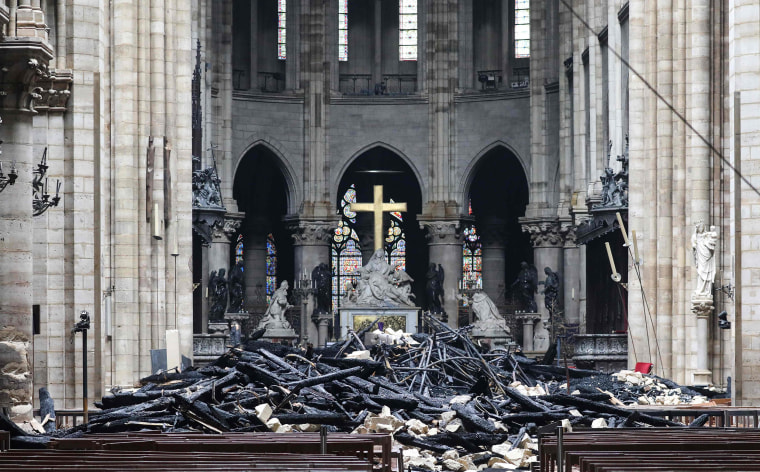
{"x":41,"y":195}
{"x":10,"y":179}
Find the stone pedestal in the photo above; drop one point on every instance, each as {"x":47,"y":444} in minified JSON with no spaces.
{"x":207,"y":347}
{"x":278,"y":335}
{"x":497,"y":338}
{"x":703,"y":308}
{"x":323,"y":323}
{"x":605,"y":352}
{"x":528,"y":321}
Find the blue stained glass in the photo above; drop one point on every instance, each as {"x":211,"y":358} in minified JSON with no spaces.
{"x":271,"y":268}
{"x":239,"y":250}
{"x":522,"y":4}
{"x":522,"y":48}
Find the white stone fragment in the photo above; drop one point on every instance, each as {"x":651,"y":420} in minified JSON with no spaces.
{"x":599,"y":423}
{"x":417,"y":427}
{"x":450,"y":454}
{"x":358,"y":355}
{"x":450,"y":464}
{"x":263,"y":412}
{"x":460,"y":399}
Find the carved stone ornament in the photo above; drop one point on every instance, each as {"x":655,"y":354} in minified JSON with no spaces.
{"x":702,"y":306}
{"x":442,"y":232}
{"x":568,"y":232}
{"x":207,"y":222}
{"x":23,"y":68}
{"x":311,"y":233}
{"x":543,"y":233}
{"x":54,"y":91}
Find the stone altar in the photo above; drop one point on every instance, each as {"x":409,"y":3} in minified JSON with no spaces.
{"x":380,"y":292}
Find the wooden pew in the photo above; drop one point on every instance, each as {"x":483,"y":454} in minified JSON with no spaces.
{"x":373,"y":448}
{"x":633,"y":443}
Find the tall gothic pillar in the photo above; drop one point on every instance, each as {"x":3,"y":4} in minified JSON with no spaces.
{"x":445,"y":248}
{"x":24,"y":65}
{"x":311,"y":241}
{"x":493,"y":236}
{"x":572,"y":274}
{"x":547,"y":252}
{"x":16,"y":275}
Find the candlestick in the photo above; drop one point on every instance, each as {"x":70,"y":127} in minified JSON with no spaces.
{"x":609,"y":255}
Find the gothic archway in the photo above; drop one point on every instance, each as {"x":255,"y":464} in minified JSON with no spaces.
{"x":497,"y":196}
{"x":380,"y":165}
{"x":262,"y":193}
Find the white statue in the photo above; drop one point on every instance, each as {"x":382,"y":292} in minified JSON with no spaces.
{"x":380,"y":285}
{"x":274,"y":317}
{"x":486,"y":314}
{"x":703,"y":247}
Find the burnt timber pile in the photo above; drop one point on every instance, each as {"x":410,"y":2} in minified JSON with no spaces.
{"x":446,"y":403}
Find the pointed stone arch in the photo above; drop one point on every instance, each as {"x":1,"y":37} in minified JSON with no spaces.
{"x":293,"y":191}
{"x":363,"y":150}
{"x":471,"y":170}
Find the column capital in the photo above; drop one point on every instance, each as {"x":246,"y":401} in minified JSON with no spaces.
{"x":229,"y":228}
{"x":442,"y":231}
{"x":543,"y":232}
{"x":308,"y":232}
{"x":568,"y":232}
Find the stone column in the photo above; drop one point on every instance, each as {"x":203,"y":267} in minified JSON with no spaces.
{"x":493,"y":236}
{"x":16,"y":276}
{"x":698,"y":159}
{"x":445,"y":247}
{"x":571,"y":274}
{"x":506,"y":41}
{"x":255,"y":262}
{"x":25,"y":63}
{"x":466,"y":64}
{"x":311,"y":241}
{"x":219,"y":249}
{"x":253,"y":72}
{"x":547,"y":252}
{"x":30,"y":19}
{"x":323,"y":322}
{"x":377,"y":58}
{"x":293,"y":45}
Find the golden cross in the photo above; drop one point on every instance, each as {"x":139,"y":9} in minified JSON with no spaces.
{"x":378,"y":207}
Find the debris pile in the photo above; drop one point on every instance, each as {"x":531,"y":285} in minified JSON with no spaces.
{"x":447,"y":404}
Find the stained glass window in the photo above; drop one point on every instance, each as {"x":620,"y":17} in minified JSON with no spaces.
{"x":346,"y":253}
{"x":522,"y":28}
{"x":395,"y":242}
{"x":239,"y":250}
{"x":342,"y":30}
{"x":271,"y":267}
{"x":407,"y":30}
{"x":472,"y":257}
{"x":281,"y":29}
